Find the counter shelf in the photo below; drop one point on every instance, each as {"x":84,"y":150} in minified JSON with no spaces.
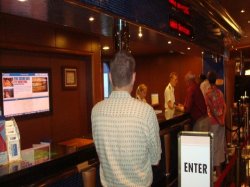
{"x":22,"y":173}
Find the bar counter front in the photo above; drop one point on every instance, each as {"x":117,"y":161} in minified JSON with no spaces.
{"x":68,"y":155}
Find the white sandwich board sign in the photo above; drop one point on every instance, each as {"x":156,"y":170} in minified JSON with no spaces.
{"x":195,"y":159}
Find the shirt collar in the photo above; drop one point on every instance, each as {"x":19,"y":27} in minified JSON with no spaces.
{"x":170,"y":86}
{"x":120,"y":94}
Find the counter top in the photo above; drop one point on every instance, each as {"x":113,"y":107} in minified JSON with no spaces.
{"x":63,"y":155}
{"x":171,"y":117}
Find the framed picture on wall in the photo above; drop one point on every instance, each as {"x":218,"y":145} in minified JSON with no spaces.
{"x":69,"y":76}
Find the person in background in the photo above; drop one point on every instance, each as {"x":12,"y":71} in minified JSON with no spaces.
{"x":195,"y":104}
{"x":141,"y":92}
{"x":125,"y":130}
{"x":204,"y":85}
{"x":217,"y":112}
{"x":169,"y":95}
{"x":201,"y":78}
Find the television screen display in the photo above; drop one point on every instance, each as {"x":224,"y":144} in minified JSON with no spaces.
{"x":25,"y":92}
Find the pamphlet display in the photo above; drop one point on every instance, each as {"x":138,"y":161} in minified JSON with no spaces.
{"x":13,"y":140}
{"x":9,"y":141}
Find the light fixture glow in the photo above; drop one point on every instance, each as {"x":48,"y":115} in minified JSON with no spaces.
{"x":188,"y":48}
{"x":242,"y":11}
{"x":22,"y":0}
{"x":169,"y":42}
{"x":140,"y":33}
{"x":105,"y":48}
{"x":247,"y":72}
{"x":91,"y":18}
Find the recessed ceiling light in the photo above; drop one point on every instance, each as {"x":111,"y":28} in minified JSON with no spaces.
{"x":188,"y":48}
{"x":169,"y":42}
{"x":248,"y":21}
{"x":242,"y":11}
{"x":91,"y":18}
{"x":105,"y":48}
{"x":22,"y":0}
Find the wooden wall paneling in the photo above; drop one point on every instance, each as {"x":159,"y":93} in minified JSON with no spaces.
{"x":154,"y":71}
{"x":97,"y":72}
{"x":2,"y":33}
{"x":70,"y":116}
{"x":69,"y":106}
{"x":67,"y":39}
{"x":32,"y":130}
{"x":27,"y":31}
{"x":36,"y":46}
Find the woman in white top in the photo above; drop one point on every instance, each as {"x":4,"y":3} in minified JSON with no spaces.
{"x":141,"y":92}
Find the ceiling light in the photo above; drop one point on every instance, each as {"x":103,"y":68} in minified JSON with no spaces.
{"x":22,"y":0}
{"x":105,"y":48}
{"x":188,"y":48}
{"x":91,"y":18}
{"x":248,"y":21}
{"x":140,"y":33}
{"x":202,"y":52}
{"x":169,"y":42}
{"x":242,"y":11}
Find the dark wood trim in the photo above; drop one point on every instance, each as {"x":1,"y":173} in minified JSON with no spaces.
{"x":46,"y":49}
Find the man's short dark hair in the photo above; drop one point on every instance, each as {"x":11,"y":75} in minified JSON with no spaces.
{"x":211,"y":76}
{"x":172,"y":75}
{"x":122,"y":68}
{"x":202,"y":77}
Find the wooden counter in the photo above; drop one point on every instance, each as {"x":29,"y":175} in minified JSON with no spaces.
{"x":62,"y":157}
{"x":171,"y":123}
{"x":68,"y":154}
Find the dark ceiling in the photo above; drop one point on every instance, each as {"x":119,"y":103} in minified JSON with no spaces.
{"x":75,"y":15}
{"x":243,"y":19}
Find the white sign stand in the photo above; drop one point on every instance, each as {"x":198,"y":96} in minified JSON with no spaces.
{"x":195,"y":159}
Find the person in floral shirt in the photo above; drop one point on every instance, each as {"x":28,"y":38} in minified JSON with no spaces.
{"x":216,"y":110}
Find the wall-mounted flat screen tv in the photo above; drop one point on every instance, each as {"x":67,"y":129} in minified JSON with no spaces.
{"x":25,"y":92}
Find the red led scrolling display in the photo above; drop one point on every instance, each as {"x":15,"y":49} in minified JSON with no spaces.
{"x":179,"y":6}
{"x":179,"y":27}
